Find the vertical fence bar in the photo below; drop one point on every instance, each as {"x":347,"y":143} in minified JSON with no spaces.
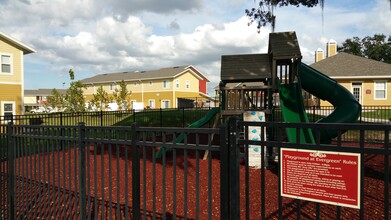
{"x":161,"y":117}
{"x":82,"y":170}
{"x":135,"y":173}
{"x":10,"y":172}
{"x":224,"y":174}
{"x":247,"y":170}
{"x":362,"y":174}
{"x":234,"y":177}
{"x":386,"y":175}
{"x":183,"y":117}
{"x":263,"y":188}
{"x":279,"y":142}
{"x":174,"y":187}
{"x":185,"y":178}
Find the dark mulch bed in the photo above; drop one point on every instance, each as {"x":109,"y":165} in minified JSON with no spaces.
{"x":110,"y":190}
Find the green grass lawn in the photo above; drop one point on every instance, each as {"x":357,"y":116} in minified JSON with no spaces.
{"x":378,"y":114}
{"x":165,"y":118}
{"x":89,"y":118}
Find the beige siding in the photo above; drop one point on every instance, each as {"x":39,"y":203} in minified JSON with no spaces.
{"x":144,"y":91}
{"x":193,"y":83}
{"x":16,"y":58}
{"x":11,"y":84}
{"x":367,"y":92}
{"x":156,"y":85}
{"x":12,"y":93}
{"x":30,"y":100}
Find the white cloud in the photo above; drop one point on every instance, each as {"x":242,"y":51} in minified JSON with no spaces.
{"x":96,"y":36}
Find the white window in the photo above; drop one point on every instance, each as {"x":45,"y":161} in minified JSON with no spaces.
{"x":187,"y":84}
{"x":8,"y":110}
{"x":166,"y":84}
{"x":112,"y":86}
{"x":380,"y":90}
{"x":5,"y":62}
{"x":151,"y":103}
{"x":165,"y":103}
{"x":177,"y":83}
{"x":132,"y":102}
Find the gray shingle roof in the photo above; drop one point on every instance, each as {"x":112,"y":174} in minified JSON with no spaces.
{"x":251,"y":67}
{"x":162,"y":73}
{"x":41,"y":92}
{"x":347,"y":65}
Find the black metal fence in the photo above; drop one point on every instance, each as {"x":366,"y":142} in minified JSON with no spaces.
{"x":80,"y":172}
{"x":177,"y":117}
{"x":263,"y":186}
{"x":93,"y":172}
{"x":183,"y":116}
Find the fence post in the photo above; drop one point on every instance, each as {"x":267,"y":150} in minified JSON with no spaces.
{"x":101,"y":118}
{"x":230,"y":178}
{"x":10,"y":171}
{"x":82,"y":170}
{"x":161,"y":117}
{"x":134,"y":115}
{"x":135,"y":173}
{"x":224,"y":174}
{"x":183,"y":117}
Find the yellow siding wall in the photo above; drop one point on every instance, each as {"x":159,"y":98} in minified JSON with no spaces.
{"x":152,"y":89}
{"x":11,"y":84}
{"x":11,"y":93}
{"x":367,"y":92}
{"x":16,"y":57}
{"x":193,"y":83}
{"x":30,"y":100}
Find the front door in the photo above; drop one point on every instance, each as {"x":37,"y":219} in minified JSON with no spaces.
{"x":357,"y":88}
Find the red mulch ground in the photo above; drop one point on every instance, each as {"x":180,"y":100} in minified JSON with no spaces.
{"x":37,"y":192}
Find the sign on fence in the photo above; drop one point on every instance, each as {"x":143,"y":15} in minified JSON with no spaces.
{"x":255,"y":133}
{"x":321,"y":176}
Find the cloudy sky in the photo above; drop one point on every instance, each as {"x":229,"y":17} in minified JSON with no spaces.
{"x":102,"y":36}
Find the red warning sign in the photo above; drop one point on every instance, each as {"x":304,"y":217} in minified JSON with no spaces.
{"x":321,"y":176}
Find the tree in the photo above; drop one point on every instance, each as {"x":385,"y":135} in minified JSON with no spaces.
{"x":101,"y":99}
{"x":377,"y":47}
{"x":122,"y":96}
{"x":264,"y":15}
{"x":352,"y":46}
{"x":74,"y":95}
{"x":56,"y":100}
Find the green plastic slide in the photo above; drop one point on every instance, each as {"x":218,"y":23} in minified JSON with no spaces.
{"x":197,"y":124}
{"x":346,"y":108}
{"x":293,"y":111}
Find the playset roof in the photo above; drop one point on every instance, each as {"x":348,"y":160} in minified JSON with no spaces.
{"x":245,"y":67}
{"x":284,"y":45}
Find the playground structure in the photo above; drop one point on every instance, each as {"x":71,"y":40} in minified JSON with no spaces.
{"x":257,"y":82}
{"x":78,"y":172}
{"x":281,"y":71}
